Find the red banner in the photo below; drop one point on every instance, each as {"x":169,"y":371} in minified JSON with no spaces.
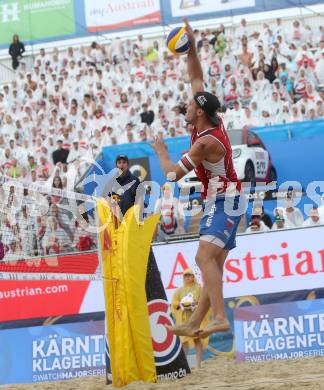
{"x":35,"y":299}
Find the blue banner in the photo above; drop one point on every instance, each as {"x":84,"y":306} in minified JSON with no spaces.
{"x":175,"y":11}
{"x":52,"y":353}
{"x":223,"y":343}
{"x":279,"y":331}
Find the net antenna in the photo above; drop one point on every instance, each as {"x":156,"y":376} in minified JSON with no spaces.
{"x":47,"y":233}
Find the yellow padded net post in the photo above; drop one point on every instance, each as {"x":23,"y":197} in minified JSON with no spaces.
{"x":124,"y":251}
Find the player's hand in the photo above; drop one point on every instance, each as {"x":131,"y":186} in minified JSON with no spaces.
{"x":190,"y":33}
{"x":159,"y":146}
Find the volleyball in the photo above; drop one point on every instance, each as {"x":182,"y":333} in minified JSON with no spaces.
{"x":178,"y":41}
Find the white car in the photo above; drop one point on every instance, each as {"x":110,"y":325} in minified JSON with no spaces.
{"x":252,"y":161}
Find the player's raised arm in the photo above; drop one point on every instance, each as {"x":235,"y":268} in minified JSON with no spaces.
{"x":194,"y":67}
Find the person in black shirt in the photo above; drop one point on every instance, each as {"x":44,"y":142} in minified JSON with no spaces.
{"x":60,"y":154}
{"x":125,"y":198}
{"x":16,"y":49}
{"x":147,"y":116}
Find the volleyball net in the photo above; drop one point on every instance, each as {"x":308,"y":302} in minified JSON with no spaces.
{"x":52,"y":234}
{"x":46,"y":233}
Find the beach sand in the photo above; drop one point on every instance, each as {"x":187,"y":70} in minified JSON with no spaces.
{"x":221,"y":373}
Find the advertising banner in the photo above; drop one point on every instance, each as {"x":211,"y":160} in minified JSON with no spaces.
{"x":34,"y":20}
{"x":260,"y":264}
{"x":194,"y":7}
{"x":287,"y":330}
{"x":51,"y":353}
{"x":24,"y":299}
{"x":50,"y":20}
{"x":174,"y":10}
{"x":117,"y":14}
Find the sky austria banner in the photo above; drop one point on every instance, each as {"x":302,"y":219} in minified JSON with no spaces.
{"x":287,"y":330}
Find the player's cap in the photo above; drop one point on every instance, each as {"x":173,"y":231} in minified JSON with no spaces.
{"x":122,"y":157}
{"x":210,"y":104}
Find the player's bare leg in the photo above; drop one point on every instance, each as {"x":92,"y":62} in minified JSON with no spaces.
{"x":199,"y":352}
{"x":210,"y":258}
{"x":211,"y":262}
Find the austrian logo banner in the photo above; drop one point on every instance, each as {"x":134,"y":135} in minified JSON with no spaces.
{"x":116,"y":14}
{"x":280,"y":331}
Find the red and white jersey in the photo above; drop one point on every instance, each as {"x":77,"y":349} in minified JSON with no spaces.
{"x":222,"y":173}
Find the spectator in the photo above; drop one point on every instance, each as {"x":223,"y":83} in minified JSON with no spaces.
{"x":14,"y":252}
{"x":172,"y":214}
{"x":314,"y":218}
{"x":276,"y":105}
{"x":320,"y":68}
{"x":293,"y":215}
{"x":284,"y":115}
{"x":44,"y":168}
{"x":27,"y":232}
{"x":184,"y":301}
{"x":250,"y":120}
{"x":55,"y":240}
{"x":82,"y":240}
{"x":75,"y":153}
{"x":280,"y":222}
{"x":14,"y":169}
{"x":63,"y":217}
{"x":147,"y":116}
{"x":57,"y":184}
{"x":60,"y":155}
{"x":16,"y":50}
{"x":256,"y":225}
{"x":265,"y":218}
{"x":273,"y":71}
{"x":246,"y":56}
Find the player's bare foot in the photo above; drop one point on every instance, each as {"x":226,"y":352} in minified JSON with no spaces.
{"x":184,"y":330}
{"x":214,"y":327}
